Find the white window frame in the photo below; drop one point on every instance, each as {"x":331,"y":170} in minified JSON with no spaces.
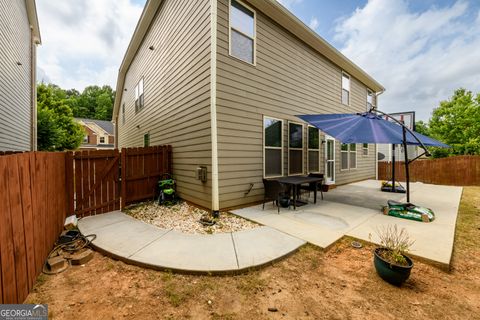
{"x":348,"y":151}
{"x":365,"y":149}
{"x":275,"y":148}
{"x":308,"y":150}
{"x":140,"y":96}
{"x":302,"y":149}
{"x":349,"y":88}
{"x":372,"y":105}
{"x":254,"y":33}
{"x":100,"y":140}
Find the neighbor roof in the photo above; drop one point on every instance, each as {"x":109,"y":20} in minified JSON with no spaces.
{"x":270,"y":8}
{"x":33,"y":20}
{"x":105,"y":125}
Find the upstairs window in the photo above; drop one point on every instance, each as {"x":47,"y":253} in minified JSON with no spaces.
{"x":369,"y":100}
{"x":273,"y":147}
{"x":102,"y":139}
{"x":242,"y":32}
{"x":139,"y":96}
{"x":86,"y":139}
{"x":313,"y":149}
{"x":295,"y":148}
{"x":345,"y":89}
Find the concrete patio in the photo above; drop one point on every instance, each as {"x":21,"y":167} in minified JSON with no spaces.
{"x":355,"y":210}
{"x":136,"y":242}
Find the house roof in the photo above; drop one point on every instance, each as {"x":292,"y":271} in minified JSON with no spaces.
{"x":271,"y":8}
{"x":105,"y":125}
{"x":33,"y":20}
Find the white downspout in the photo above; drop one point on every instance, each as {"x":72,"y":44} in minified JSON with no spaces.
{"x":213,"y":104}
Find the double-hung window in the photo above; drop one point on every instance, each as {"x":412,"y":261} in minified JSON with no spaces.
{"x":273,"y":147}
{"x":345,"y":89}
{"x":365,"y":149}
{"x":242,"y":32}
{"x":369,"y":100}
{"x":349,"y":156}
{"x":295,"y":148}
{"x":313,"y":149}
{"x":139,"y":99}
{"x":102,"y":140}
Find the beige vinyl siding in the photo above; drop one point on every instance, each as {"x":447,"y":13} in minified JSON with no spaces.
{"x":15,"y":80}
{"x":289,"y":78}
{"x":176,"y":92}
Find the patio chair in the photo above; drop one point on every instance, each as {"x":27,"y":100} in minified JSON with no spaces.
{"x":274,"y":191}
{"x":311,"y":186}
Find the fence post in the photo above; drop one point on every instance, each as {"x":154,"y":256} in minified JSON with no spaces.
{"x":69,"y":183}
{"x":123,"y":178}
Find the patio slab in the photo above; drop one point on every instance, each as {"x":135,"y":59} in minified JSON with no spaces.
{"x":136,"y":242}
{"x":354,"y":210}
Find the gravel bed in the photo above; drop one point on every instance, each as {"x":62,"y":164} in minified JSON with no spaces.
{"x":185,"y":218}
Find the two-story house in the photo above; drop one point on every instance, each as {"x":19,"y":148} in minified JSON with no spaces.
{"x":19,"y":37}
{"x":99,"y":134}
{"x":221,"y":81}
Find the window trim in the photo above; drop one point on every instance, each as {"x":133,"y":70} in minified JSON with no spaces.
{"x":308,"y":150}
{"x":275,"y":148}
{"x":100,"y":140}
{"x":349,"y":88}
{"x":348,"y":156}
{"x":254,"y":33}
{"x":302,"y":148}
{"x":373,"y":104}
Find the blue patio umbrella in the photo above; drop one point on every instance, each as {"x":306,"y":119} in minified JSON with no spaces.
{"x":371,"y":127}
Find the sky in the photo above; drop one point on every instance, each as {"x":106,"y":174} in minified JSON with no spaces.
{"x":419,"y":50}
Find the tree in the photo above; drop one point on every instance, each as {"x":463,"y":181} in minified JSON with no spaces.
{"x":457,"y":122}
{"x":421,"y":127}
{"x":57,"y":131}
{"x":94,"y":103}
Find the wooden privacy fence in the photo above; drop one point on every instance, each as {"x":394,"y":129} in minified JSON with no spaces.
{"x":457,"y":171}
{"x":33,"y":204}
{"x":106,"y":180}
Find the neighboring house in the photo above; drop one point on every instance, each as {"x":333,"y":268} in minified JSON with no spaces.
{"x":19,"y":37}
{"x":99,"y":134}
{"x":221,"y":81}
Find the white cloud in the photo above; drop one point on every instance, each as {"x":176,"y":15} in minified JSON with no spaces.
{"x":421,"y":58}
{"x":314,"y":23}
{"x":83,"y":41}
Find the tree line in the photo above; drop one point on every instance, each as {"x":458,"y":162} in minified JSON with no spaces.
{"x":455,"y":122}
{"x":56,"y":108}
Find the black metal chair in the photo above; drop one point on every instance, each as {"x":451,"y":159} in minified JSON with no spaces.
{"x":274,"y":191}
{"x":311,"y":186}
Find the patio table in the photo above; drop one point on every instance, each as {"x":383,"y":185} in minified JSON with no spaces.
{"x":297,"y":181}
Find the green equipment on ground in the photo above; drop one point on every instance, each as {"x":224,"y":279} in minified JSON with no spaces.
{"x":167,"y":190}
{"x":408,"y":211}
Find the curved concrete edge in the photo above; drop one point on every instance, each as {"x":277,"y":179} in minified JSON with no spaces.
{"x":135,"y":242}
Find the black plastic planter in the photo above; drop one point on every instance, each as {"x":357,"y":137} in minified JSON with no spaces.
{"x":391,"y":273}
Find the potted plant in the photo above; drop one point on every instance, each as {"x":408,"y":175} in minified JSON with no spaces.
{"x":390,"y":260}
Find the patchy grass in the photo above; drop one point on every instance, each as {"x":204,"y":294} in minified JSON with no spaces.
{"x":339,"y":283}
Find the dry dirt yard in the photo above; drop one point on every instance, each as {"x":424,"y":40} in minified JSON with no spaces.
{"x":339,"y":283}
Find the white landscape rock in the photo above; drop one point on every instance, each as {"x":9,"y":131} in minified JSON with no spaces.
{"x":184,"y":217}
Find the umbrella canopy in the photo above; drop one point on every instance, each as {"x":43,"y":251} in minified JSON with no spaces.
{"x":366,"y":127}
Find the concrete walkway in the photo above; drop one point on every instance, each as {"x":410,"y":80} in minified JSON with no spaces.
{"x":354,"y":210}
{"x":136,"y":242}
